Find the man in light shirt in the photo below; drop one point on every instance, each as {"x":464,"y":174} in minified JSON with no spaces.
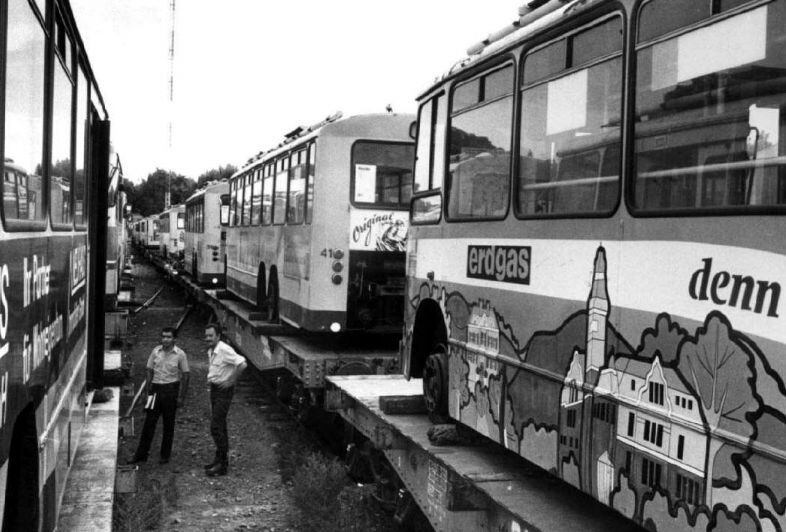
{"x":225,"y":367}
{"x":167,"y":378}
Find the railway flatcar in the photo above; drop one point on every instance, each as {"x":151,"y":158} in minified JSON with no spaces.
{"x":207,"y":214}
{"x":171,"y":224}
{"x":55,"y":152}
{"x":318,"y":225}
{"x":597,"y":253}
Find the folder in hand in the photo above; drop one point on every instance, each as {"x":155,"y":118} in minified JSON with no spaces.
{"x":151,"y":402}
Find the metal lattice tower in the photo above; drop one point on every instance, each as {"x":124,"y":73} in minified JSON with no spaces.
{"x":168,"y":195}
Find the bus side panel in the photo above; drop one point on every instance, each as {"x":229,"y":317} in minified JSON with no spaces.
{"x":634,"y":369}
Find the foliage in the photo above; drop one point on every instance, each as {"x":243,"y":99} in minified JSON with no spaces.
{"x":316,"y":486}
{"x":216,"y":174}
{"x":147,"y":198}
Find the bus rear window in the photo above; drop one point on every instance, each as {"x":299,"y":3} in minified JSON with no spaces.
{"x":382,"y":174}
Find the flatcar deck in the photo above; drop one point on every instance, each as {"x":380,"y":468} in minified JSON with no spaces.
{"x":481,"y":487}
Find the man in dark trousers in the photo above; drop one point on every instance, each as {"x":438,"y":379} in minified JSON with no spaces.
{"x":167,"y":377}
{"x":225,"y":367}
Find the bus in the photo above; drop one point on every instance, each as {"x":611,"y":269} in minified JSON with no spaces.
{"x":207,"y":214}
{"x":55,"y":188}
{"x":171,"y":224}
{"x":597,"y":253}
{"x":318,"y":225}
{"x":150,"y":234}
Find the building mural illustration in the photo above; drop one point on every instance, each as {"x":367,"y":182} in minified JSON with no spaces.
{"x":677,"y":429}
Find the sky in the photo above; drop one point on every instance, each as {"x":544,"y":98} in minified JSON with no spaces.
{"x":248,"y":71}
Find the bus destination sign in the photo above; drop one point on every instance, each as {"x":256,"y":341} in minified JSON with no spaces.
{"x":506,"y":264}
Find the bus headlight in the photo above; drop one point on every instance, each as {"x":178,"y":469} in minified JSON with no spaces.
{"x":335,"y":327}
{"x":215,"y":281}
{"x":337,"y":267}
{"x":336,"y":278}
{"x":338,"y":254}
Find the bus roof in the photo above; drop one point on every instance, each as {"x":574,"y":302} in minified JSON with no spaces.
{"x":333,"y":125}
{"x":209,"y":186}
{"x":531,"y":21}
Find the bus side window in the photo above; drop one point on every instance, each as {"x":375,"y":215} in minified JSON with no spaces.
{"x":297,"y":188}
{"x":570,"y":127}
{"x":480,"y":146}
{"x":24,"y":97}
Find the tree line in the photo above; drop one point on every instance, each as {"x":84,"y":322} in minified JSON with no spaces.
{"x":147,"y":197}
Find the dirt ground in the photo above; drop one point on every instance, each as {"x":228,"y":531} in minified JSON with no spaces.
{"x":266,"y":444}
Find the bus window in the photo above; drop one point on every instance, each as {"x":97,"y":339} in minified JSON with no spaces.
{"x":312,"y":161}
{"x":280,"y":197}
{"x":710,"y":113}
{"x":430,"y":162}
{"x":233,"y":203}
{"x":297,"y":188}
{"x":267,"y":195}
{"x":80,"y":195}
{"x":247,"y":189}
{"x":256,"y":198}
{"x":61,"y":168}
{"x":181,"y":220}
{"x":480,"y":144}
{"x":570,"y":125}
{"x":382,"y":173}
{"x":24,"y":98}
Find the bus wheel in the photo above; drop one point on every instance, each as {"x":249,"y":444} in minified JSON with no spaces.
{"x":21,"y":497}
{"x":435,"y":387}
{"x":271,"y":306}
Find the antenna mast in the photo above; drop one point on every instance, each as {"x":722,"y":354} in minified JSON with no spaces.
{"x":168,"y":195}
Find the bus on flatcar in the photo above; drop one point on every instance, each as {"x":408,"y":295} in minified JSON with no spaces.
{"x":171,"y":225}
{"x":151,"y":234}
{"x":207,"y":214}
{"x":597,"y":253}
{"x":55,"y":153}
{"x":318,"y":225}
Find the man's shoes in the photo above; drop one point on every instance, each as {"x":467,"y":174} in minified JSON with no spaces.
{"x":217,"y":470}
{"x":163,"y":460}
{"x":214,"y":463}
{"x":137,"y":460}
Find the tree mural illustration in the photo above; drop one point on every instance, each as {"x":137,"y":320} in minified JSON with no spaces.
{"x":722,"y":373}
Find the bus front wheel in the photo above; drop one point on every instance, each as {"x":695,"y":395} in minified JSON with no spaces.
{"x":435,"y":387}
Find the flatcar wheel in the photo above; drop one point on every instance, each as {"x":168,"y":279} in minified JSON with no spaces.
{"x":385,"y":478}
{"x":435,"y":387}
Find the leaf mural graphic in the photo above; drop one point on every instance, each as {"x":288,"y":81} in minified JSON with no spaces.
{"x":664,"y":340}
{"x":722,"y":373}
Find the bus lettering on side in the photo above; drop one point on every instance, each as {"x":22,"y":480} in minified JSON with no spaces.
{"x":506,"y":264}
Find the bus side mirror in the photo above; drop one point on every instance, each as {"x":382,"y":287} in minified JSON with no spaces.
{"x":413,"y":130}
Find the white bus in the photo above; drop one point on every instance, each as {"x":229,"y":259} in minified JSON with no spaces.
{"x":207,"y":214}
{"x":598,"y":252}
{"x":318,"y":224}
{"x":172,"y":223}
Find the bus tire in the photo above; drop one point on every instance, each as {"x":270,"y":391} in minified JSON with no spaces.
{"x":435,"y":386}
{"x":271,"y":306}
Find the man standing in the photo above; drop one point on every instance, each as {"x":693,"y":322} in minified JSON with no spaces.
{"x":167,"y":368}
{"x":225,"y":367}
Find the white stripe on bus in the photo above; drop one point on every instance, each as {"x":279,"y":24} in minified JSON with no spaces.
{"x":655,"y":277}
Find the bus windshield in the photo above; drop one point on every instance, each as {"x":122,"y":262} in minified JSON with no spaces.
{"x":382,"y":174}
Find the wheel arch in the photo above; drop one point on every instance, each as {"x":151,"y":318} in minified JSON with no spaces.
{"x":428,"y":333}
